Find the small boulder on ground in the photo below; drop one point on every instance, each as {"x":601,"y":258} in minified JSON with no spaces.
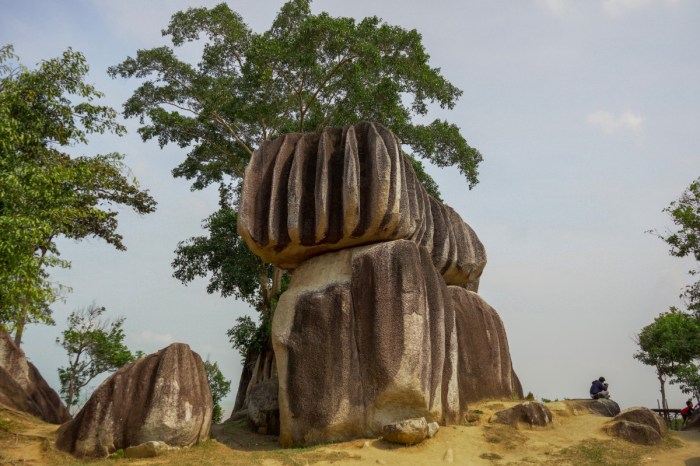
{"x":602,"y":406}
{"x":147,"y":450}
{"x":644,"y":416}
{"x":531,"y":413}
{"x":407,"y":432}
{"x":161,"y":397}
{"x":263,"y":411}
{"x":634,"y":432}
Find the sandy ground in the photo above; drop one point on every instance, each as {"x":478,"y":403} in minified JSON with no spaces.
{"x":574,"y":439}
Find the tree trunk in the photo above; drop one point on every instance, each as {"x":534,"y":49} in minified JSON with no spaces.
{"x":664,"y":404}
{"x":21,"y":322}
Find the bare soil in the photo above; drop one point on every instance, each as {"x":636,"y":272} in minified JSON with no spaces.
{"x":574,"y":439}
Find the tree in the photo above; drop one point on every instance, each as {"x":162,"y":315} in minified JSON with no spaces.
{"x":219,"y":387}
{"x":687,"y":377}
{"x":304,"y":73}
{"x":685,"y":213}
{"x":46,"y":193}
{"x":94,"y":346}
{"x":670,"y":343}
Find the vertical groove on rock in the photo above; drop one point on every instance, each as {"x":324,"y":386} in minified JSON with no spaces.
{"x":351,"y":184}
{"x":322,"y":191}
{"x":279,"y":235}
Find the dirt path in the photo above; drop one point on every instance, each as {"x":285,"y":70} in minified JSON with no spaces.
{"x":572,"y":440}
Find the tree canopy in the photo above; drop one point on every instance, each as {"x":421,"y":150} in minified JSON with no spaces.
{"x":93,"y":346}
{"x":669,"y":344}
{"x":306,"y":72}
{"x":46,"y":193}
{"x":685,"y":241}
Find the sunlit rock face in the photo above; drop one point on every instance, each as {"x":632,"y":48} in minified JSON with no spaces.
{"x":162,"y":397}
{"x":306,"y":194}
{"x":381,"y":322}
{"x":23,"y":388}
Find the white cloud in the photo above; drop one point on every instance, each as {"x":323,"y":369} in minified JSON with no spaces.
{"x":158,"y":339}
{"x":616,"y":8}
{"x":556,"y":7}
{"x":610,"y":123}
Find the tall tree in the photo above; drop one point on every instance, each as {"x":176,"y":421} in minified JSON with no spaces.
{"x":669,"y":344}
{"x":219,"y":387}
{"x":94,"y":346}
{"x":306,"y":72}
{"x":44,"y":192}
{"x":685,"y":241}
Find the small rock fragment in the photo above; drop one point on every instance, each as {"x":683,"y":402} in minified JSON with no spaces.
{"x":147,"y":450}
{"x":407,"y":432}
{"x":433,"y":427}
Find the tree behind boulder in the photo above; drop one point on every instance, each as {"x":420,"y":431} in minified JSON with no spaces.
{"x":161,"y":397}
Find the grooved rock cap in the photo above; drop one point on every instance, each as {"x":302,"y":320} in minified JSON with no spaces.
{"x":306,"y":194}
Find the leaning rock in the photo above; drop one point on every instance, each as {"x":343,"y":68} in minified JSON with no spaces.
{"x":602,"y":406}
{"x":485,"y":368}
{"x":364,"y":337}
{"x":23,"y":388}
{"x":147,"y":450}
{"x":306,"y":194}
{"x":531,"y":413}
{"x":407,"y":432}
{"x":161,"y":397}
{"x":634,"y":432}
{"x":263,"y":408}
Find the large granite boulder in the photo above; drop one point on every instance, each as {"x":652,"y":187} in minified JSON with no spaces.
{"x":368,"y":336}
{"x":306,"y":194}
{"x":162,"y":397}
{"x":23,"y":388}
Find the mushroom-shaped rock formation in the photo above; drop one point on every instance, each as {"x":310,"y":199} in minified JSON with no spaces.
{"x":305,"y":194}
{"x":162,"y":397}
{"x":23,"y":388}
{"x":369,"y":333}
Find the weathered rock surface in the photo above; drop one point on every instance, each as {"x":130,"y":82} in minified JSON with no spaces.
{"x":644,"y":416}
{"x":23,"y":388}
{"x":604,"y":407}
{"x":530,"y":413}
{"x":485,"y":369}
{"x":161,"y":397}
{"x":634,"y":432}
{"x":368,"y":336}
{"x":406,"y":432}
{"x":364,"y":337}
{"x":147,"y":450}
{"x":263,"y":407}
{"x":306,"y":194}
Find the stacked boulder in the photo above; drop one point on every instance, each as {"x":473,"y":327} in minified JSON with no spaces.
{"x":23,"y":388}
{"x":162,"y":397}
{"x":381,"y":322}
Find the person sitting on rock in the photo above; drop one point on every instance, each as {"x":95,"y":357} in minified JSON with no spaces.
{"x":599,"y":389}
{"x":688,"y":411}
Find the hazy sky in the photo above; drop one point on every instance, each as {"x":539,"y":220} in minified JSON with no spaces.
{"x":586,"y":114}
